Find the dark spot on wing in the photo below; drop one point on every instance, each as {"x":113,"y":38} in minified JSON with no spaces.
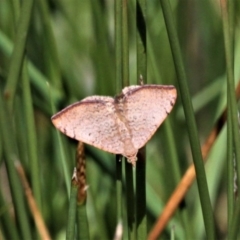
{"x":166,"y":111}
{"x":172,"y":103}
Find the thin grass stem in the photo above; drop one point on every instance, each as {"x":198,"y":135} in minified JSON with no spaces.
{"x":131,"y":200}
{"x":31,"y":136}
{"x":51,"y":59}
{"x":61,"y":149}
{"x":230,"y":155}
{"x":10,"y":153}
{"x":232,"y":105}
{"x":119,"y":84}
{"x":128,"y":167}
{"x":190,"y":121}
{"x":125,"y":48}
{"x":141,"y":38}
{"x":18,"y":52}
{"x":37,"y":79}
{"x":71,"y":221}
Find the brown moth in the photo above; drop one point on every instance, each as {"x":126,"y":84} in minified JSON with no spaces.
{"x":119,"y":125}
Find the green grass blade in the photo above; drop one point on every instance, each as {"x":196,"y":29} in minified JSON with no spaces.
{"x":232,"y":110}
{"x":37,"y":79}
{"x":131,"y":201}
{"x":70,"y":233}
{"x":10,"y":153}
{"x":63,"y":156}
{"x":141,"y":13}
{"x":190,"y":121}
{"x":82,"y":221}
{"x":141,"y":214}
{"x":99,"y":53}
{"x":230,"y":81}
{"x":118,"y":45}
{"x":234,"y":226}
{"x":230,"y":158}
{"x":18,"y":52}
{"x":169,"y":143}
{"x":31,"y":136}
{"x":128,"y":167}
{"x":119,"y":187}
{"x":51,"y":60}
{"x":125,"y":46}
{"x":119,"y":84}
{"x":141,"y":38}
{"x":230,"y":170}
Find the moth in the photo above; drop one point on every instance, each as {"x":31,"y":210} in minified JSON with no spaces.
{"x":119,"y":125}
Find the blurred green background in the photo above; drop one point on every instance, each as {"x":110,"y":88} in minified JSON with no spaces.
{"x":70,"y":54}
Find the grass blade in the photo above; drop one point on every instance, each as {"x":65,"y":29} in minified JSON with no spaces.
{"x":119,"y":84}
{"x":190,"y":121}
{"x":141,"y":217}
{"x":18,"y":52}
{"x":72,"y":211}
{"x":10,"y":155}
